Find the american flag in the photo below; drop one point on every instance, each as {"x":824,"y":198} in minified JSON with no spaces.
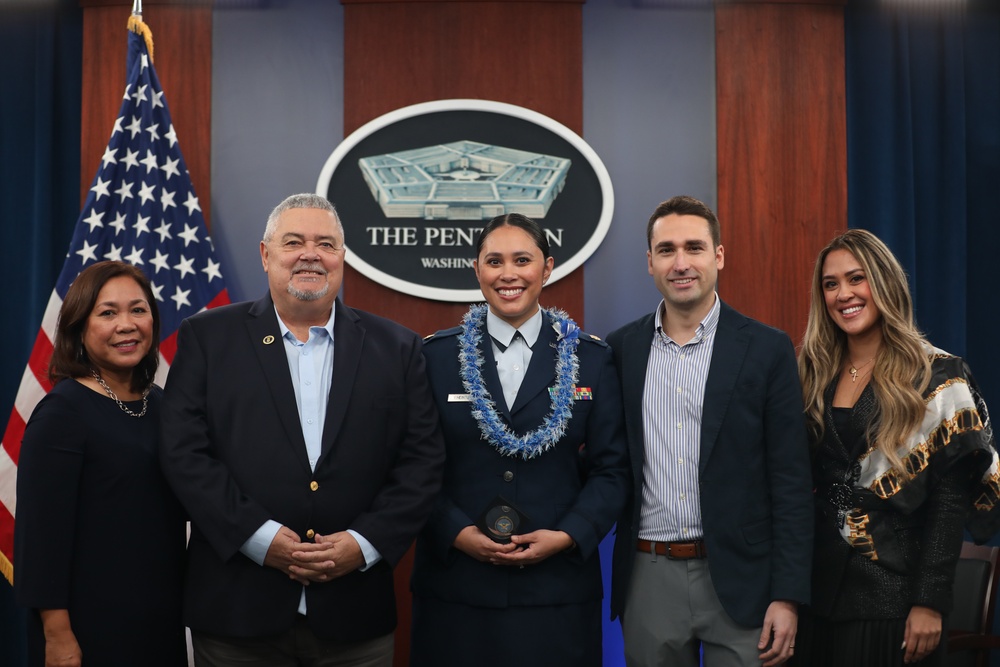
{"x":141,"y":209}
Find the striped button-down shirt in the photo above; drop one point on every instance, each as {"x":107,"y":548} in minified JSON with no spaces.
{"x":671,"y":418}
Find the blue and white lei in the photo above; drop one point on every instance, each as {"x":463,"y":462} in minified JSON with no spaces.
{"x":484,"y":411}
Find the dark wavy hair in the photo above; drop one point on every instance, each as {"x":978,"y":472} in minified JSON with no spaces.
{"x":69,"y":357}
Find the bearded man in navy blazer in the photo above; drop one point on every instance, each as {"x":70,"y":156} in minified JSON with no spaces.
{"x":302,"y":438}
{"x":713,"y":550}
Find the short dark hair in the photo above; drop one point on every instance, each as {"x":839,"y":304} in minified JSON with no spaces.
{"x":520,"y":221}
{"x":69,"y":357}
{"x":685,"y":205}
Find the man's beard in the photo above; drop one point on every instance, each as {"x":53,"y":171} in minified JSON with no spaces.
{"x":308,"y":295}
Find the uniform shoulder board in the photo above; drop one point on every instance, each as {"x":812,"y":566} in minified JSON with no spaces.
{"x":592,"y":338}
{"x":444,"y":333}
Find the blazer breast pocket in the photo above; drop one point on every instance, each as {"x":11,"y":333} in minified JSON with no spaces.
{"x":749,"y":383}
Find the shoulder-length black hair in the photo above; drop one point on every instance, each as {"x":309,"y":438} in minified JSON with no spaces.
{"x":69,"y":357}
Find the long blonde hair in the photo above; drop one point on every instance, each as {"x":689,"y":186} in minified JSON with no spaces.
{"x":902,"y":367}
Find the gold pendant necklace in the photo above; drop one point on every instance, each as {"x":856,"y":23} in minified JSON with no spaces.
{"x":853,"y":370}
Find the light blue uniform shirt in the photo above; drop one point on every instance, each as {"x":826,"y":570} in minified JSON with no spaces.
{"x":311,"y":367}
{"x":515,"y":354}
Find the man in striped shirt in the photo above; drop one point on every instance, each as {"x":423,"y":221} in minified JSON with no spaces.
{"x":713,"y":551}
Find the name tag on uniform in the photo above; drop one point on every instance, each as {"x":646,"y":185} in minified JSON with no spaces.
{"x":579,"y":393}
{"x":459,"y":398}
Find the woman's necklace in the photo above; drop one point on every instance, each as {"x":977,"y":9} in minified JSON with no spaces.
{"x":853,"y":370}
{"x":494,"y":430}
{"x":858,"y":388}
{"x":114,"y":397}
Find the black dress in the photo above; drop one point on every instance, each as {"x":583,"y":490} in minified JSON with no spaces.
{"x":98,"y":531}
{"x":859,"y":610}
{"x":903,"y":537}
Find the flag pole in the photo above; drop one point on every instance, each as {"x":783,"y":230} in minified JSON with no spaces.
{"x":136,"y":25}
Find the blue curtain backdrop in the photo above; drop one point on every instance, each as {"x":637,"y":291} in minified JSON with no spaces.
{"x":923,"y":148}
{"x":40,"y":75}
{"x":923,"y":128}
{"x":923,"y":105}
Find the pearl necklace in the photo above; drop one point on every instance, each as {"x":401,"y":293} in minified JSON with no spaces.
{"x":114,"y":397}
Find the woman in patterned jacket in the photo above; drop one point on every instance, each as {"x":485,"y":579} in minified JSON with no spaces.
{"x":903,"y":461}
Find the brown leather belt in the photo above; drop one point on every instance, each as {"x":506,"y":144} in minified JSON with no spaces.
{"x":674,"y":550}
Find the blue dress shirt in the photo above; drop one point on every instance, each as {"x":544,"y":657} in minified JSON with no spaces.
{"x":310,"y":364}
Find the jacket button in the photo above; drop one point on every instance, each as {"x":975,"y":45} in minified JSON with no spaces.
{"x":310,"y":534}
{"x":508,"y":476}
{"x":313,"y":485}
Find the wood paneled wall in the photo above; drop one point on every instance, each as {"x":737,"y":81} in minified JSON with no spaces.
{"x":782,"y":180}
{"x":400,"y":52}
{"x":782,"y":151}
{"x":182,"y":55}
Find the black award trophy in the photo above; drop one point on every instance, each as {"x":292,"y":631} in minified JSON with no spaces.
{"x":501,"y":519}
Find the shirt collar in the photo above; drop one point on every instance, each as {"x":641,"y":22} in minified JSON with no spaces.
{"x":328,"y":326}
{"x":504,"y":332}
{"x":706,"y":327}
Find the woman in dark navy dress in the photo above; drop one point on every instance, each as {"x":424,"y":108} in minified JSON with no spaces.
{"x":507,"y":569}
{"x":99,"y":538}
